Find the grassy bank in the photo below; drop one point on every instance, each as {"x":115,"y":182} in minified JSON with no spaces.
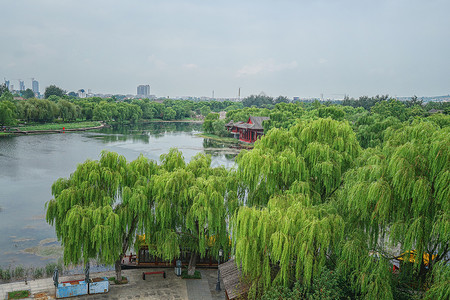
{"x":59,"y":126}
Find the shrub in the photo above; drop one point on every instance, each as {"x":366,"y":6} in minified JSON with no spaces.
{"x":197,"y":275}
{"x":6,"y":274}
{"x":123,"y":281}
{"x":329,"y":285}
{"x":50,"y":268}
{"x":19,"y":272}
{"x":38,"y":273}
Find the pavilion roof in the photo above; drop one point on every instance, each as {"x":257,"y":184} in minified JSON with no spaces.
{"x":232,"y":279}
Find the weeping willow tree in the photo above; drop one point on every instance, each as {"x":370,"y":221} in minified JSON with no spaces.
{"x":288,"y":240}
{"x":98,"y":209}
{"x":288,"y":225}
{"x":189,"y":208}
{"x":310,"y":159}
{"x":397,"y":200}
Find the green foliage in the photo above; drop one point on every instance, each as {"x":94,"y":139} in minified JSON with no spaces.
{"x":7,"y":113}
{"x":335,"y":112}
{"x":19,"y":272}
{"x":400,"y":194}
{"x":27,"y":94}
{"x":67,"y":110}
{"x":310,"y":157}
{"x":169,"y":114}
{"x":370,"y":128}
{"x":440,"y":285}
{"x":97,"y":211}
{"x":53,"y":90}
{"x":213,"y":125}
{"x":123,"y":281}
{"x":328,"y":286}
{"x":365,"y":101}
{"x":6,"y":274}
{"x":259,"y":100}
{"x":219,"y":128}
{"x":205,"y":110}
{"x":208,"y":122}
{"x":390,"y":108}
{"x":439,"y":119}
{"x":50,"y":268}
{"x":38,"y":273}
{"x":295,"y":174}
{"x":189,"y":211}
{"x":185,"y":275}
{"x":37,"y":110}
{"x":3,"y":89}
{"x":19,"y":294}
{"x":6,"y":96}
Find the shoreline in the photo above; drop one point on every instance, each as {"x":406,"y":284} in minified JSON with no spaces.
{"x":17,"y":130}
{"x":226,"y":140}
{"x":26,"y":132}
{"x":174,"y":121}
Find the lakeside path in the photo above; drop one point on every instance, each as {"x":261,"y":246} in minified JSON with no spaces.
{"x":153,"y":288}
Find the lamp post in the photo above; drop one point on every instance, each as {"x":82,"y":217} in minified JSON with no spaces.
{"x":218,"y":271}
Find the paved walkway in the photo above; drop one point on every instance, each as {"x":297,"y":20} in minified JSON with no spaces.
{"x":155,"y":287}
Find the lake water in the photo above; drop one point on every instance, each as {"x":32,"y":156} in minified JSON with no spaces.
{"x":30,"y":164}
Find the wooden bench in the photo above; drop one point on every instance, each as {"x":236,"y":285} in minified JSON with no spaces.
{"x":150,"y":273}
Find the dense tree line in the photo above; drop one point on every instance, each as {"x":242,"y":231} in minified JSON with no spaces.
{"x":69,"y":109}
{"x":369,"y":125}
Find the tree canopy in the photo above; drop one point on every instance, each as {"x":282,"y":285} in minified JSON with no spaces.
{"x":98,"y":210}
{"x":189,"y":211}
{"x":293,"y":175}
{"x":314,"y":199}
{"x":53,"y":90}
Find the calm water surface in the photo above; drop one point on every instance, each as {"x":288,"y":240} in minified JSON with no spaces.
{"x":30,"y":164}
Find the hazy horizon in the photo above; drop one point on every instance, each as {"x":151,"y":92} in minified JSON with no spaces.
{"x":191,"y":48}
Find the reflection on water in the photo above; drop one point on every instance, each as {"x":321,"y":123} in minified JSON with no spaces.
{"x":30,"y":164}
{"x":143,"y":132}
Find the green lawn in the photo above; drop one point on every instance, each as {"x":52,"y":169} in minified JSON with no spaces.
{"x":59,"y":126}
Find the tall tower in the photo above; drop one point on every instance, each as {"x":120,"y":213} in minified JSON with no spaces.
{"x":21,"y":85}
{"x":143,"y":91}
{"x":7,"y":83}
{"x":35,"y":86}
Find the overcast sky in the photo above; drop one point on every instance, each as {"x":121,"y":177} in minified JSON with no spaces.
{"x":190,"y":48}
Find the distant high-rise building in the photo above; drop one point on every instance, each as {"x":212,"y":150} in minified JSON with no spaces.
{"x":143,"y":90}
{"x":7,"y":84}
{"x":21,"y":85}
{"x":81,"y":93}
{"x":35,"y":87}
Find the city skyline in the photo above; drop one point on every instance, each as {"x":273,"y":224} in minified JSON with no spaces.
{"x":191,"y":48}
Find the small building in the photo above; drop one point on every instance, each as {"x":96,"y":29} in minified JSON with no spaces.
{"x":248,"y":131}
